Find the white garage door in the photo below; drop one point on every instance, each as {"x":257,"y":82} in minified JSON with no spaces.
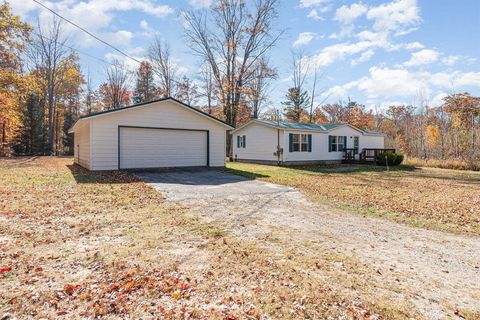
{"x":155,"y":148}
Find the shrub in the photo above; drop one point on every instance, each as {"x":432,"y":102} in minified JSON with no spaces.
{"x":393,"y":159}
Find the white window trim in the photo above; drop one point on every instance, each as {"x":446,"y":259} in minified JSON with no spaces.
{"x":300,"y":142}
{"x":242,"y":141}
{"x":337,"y":144}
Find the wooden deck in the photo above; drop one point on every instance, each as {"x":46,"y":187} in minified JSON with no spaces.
{"x":367,"y":155}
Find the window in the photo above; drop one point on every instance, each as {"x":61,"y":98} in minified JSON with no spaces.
{"x":300,"y":142}
{"x":337,"y":143}
{"x":241,"y":141}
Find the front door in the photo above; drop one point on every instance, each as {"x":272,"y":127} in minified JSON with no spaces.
{"x":356,"y":144}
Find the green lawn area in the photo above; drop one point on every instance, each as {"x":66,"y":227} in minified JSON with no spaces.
{"x":447,"y":200}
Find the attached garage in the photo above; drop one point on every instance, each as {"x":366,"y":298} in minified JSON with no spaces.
{"x":157,"y":134}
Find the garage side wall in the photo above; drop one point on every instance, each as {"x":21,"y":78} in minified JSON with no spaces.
{"x":81,"y":152}
{"x":165,"y":114}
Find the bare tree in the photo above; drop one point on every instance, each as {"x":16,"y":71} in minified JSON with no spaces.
{"x":259,"y":85}
{"x":46,"y":53}
{"x":300,"y":67}
{"x":115,"y":91}
{"x":231,"y":40}
{"x":161,"y":60}
{"x":207,"y":90}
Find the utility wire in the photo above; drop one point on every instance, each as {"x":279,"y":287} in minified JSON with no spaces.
{"x":80,"y":52}
{"x":86,"y":31}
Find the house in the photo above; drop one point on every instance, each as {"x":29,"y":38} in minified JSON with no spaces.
{"x":299,"y":143}
{"x":160,"y":133}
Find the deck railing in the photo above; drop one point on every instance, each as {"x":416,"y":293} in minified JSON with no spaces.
{"x":366,"y":155}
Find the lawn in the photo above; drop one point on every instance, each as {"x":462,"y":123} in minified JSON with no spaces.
{"x":447,"y":200}
{"x":76,"y":244}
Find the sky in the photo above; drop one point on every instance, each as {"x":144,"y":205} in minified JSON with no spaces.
{"x":377,"y":53}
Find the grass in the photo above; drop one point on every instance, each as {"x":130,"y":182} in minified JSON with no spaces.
{"x":77,"y":244}
{"x":454,"y":164}
{"x":445,"y":200}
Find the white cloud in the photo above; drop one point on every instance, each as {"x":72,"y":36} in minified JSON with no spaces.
{"x":385,"y":84}
{"x":422,"y":57}
{"x":94,"y":15}
{"x":365,"y":56}
{"x":121,"y":37}
{"x":304,"y":38}
{"x":338,"y":52}
{"x":147,"y":30}
{"x":400,"y":16}
{"x":200,"y":3}
{"x":348,"y":15}
{"x":317,"y":7}
{"x":414,"y":45}
{"x":451,"y":60}
{"x":312,"y":3}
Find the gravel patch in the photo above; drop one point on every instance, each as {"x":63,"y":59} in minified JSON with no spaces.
{"x":437,"y":272}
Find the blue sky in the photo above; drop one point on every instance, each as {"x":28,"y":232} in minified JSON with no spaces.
{"x":375,"y":52}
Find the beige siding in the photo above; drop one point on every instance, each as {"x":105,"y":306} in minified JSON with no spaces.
{"x":164,"y":114}
{"x":81,"y":151}
{"x":261,"y":143}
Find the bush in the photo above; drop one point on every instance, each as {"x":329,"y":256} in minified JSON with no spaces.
{"x":393,"y":159}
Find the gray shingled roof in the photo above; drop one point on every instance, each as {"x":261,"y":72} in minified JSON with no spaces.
{"x":308,"y":126}
{"x":301,"y":126}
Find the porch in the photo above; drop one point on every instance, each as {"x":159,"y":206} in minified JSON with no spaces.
{"x":367,"y":155}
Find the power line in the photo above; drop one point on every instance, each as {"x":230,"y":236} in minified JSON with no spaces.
{"x":87,"y":32}
{"x":84,"y":53}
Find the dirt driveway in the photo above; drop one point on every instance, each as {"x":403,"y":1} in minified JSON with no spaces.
{"x":438,"y":273}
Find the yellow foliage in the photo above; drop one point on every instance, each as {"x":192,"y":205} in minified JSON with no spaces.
{"x":433,"y":135}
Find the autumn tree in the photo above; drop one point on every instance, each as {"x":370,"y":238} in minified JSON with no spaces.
{"x":69,"y":101}
{"x":114,"y":92}
{"x":145,"y":89}
{"x":47,"y":52}
{"x":232,"y":38}
{"x":14,"y":37}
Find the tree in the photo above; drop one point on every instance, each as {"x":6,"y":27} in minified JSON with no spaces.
{"x":295,"y":104}
{"x":231,"y":40}
{"x":258,"y":87}
{"x":145,"y":89}
{"x":69,"y":101}
{"x":32,"y":130}
{"x":114,"y":93}
{"x":187,"y":91}
{"x":207,"y":89}
{"x":47,"y":52}
{"x":164,"y":67}
{"x":14,"y":37}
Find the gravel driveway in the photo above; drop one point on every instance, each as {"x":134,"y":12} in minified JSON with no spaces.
{"x":437,"y":272}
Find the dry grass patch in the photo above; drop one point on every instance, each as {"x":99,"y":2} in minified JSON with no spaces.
{"x":79,"y":244}
{"x":435,"y":198}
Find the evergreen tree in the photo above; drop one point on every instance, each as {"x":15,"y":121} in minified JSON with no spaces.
{"x":295,"y":104}
{"x":144,"y":88}
{"x":33,"y":134}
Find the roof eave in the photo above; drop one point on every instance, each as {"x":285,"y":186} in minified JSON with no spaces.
{"x":208,"y":116}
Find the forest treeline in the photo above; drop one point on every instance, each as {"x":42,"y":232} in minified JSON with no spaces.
{"x":43,"y":89}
